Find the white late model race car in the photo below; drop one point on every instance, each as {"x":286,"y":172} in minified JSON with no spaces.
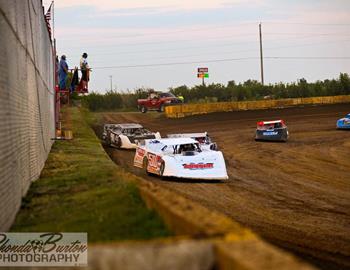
{"x":180,"y":157}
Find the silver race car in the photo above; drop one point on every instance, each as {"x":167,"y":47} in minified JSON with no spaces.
{"x":126,"y":135}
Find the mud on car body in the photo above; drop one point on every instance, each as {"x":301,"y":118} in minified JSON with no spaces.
{"x":126,"y":135}
{"x":271,"y":131}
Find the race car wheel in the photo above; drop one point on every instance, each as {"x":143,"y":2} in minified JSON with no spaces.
{"x":161,"y":169}
{"x":143,"y":109}
{"x":145,"y":165}
{"x":118,"y":142}
{"x":162,"y":107}
{"x":213,"y":147}
{"x":108,"y":140}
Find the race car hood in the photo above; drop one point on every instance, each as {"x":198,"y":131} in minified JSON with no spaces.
{"x":137,"y":138}
{"x":204,"y":165}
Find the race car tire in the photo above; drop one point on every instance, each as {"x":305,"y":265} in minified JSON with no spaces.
{"x":214,"y":147}
{"x":145,"y":165}
{"x":118,"y":142}
{"x":108,"y":140}
{"x":161,"y":170}
{"x":161,"y":109}
{"x":143,"y":109}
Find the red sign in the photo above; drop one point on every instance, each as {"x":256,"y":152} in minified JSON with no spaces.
{"x":203,"y":70}
{"x":198,"y":166}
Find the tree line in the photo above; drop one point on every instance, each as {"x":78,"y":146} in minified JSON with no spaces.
{"x":216,"y":92}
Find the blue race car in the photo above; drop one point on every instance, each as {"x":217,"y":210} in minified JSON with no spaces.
{"x":344,"y":123}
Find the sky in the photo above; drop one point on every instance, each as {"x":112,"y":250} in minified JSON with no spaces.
{"x":161,"y":43}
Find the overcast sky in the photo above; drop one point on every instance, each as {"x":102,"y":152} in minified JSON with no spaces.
{"x":168,"y":40}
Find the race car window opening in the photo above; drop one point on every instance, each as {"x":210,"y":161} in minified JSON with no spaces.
{"x":271,"y":126}
{"x":139,"y":131}
{"x":186,"y":148}
{"x":117,"y":130}
{"x":166,"y":95}
{"x":203,"y":140}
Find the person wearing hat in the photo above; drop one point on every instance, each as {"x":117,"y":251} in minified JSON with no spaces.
{"x":63,"y":72}
{"x":84,"y":67}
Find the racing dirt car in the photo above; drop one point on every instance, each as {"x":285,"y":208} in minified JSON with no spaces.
{"x":203,"y":139}
{"x":344,"y":123}
{"x":271,"y":131}
{"x":126,"y":135}
{"x":180,"y":157}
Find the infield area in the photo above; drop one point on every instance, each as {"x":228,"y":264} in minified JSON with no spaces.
{"x":295,"y":194}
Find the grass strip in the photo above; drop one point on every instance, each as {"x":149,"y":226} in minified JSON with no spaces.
{"x":82,"y":190}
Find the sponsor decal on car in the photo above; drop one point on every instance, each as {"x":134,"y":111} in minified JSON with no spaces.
{"x":140,"y":152}
{"x":270,"y":133}
{"x":154,"y":163}
{"x":198,"y":166}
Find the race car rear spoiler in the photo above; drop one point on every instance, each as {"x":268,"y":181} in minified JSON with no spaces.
{"x":188,"y":135}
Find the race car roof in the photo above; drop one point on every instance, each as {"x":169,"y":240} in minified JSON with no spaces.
{"x":130,"y":125}
{"x":188,"y":135}
{"x":171,"y":141}
{"x":271,"y":122}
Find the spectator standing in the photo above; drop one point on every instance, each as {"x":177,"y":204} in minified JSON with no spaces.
{"x":84,"y":67}
{"x":63,"y":72}
{"x":57,"y":62}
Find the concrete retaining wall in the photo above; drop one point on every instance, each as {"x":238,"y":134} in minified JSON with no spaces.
{"x":231,"y":245}
{"x":26,"y":101}
{"x":184,"y":110}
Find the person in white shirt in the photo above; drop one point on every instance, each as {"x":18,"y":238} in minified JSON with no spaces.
{"x":84,"y":67}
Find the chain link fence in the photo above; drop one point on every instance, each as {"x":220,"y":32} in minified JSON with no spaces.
{"x":26,"y":101}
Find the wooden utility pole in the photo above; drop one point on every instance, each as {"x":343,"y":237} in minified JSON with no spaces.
{"x":261,"y":56}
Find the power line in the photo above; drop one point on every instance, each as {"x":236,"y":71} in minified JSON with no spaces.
{"x":305,"y":23}
{"x":228,"y":60}
{"x":310,"y":57}
{"x":176,"y":63}
{"x":309,"y":35}
{"x":168,"y":32}
{"x":235,"y":51}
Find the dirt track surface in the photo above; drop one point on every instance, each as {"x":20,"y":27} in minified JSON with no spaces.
{"x":294,"y":194}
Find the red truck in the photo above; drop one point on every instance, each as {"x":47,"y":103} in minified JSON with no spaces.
{"x":157,"y":102}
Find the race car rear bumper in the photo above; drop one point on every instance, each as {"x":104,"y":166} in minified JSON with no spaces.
{"x":277,"y":135}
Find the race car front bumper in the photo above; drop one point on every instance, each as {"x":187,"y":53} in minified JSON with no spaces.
{"x":342,"y":124}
